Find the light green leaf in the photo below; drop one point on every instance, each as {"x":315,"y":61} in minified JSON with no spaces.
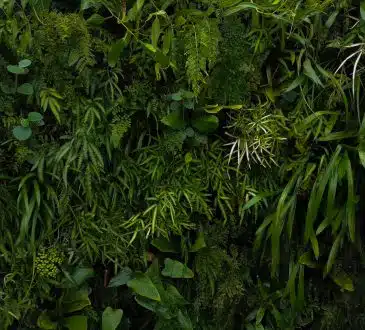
{"x":22,"y":133}
{"x":142,"y":285}
{"x":306,"y":259}
{"x":240,"y":7}
{"x":309,"y":71}
{"x":15,"y":69}
{"x":206,"y":124}
{"x":174,"y":120}
{"x":44,"y":322}
{"x":111,"y":318}
{"x":34,"y":116}
{"x":176,"y":269}
{"x":24,"y":63}
{"x":77,"y":322}
{"x":121,"y":278}
{"x":343,"y":280}
{"x":26,"y":89}
{"x":155,"y":34}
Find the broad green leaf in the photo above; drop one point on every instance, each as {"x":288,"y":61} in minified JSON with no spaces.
{"x":15,"y":69}
{"x":26,"y":89}
{"x":121,"y":278}
{"x":44,"y":322}
{"x":174,"y":296}
{"x":95,"y":19}
{"x":75,"y":300}
{"x":115,"y":50}
{"x":174,"y":120}
{"x":309,"y":71}
{"x":111,"y":318}
{"x":22,"y":133}
{"x":79,"y":276}
{"x":199,"y":243}
{"x":184,"y":321}
{"x":176,"y":96}
{"x":24,"y":63}
{"x":240,"y":7}
{"x":155,"y":34}
{"x":206,"y":124}
{"x":165,"y":245}
{"x":176,"y":269}
{"x":77,"y":322}
{"x":188,"y":158}
{"x":34,"y":116}
{"x":142,"y":285}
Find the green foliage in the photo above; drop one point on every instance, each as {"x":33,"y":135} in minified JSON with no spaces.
{"x":181,"y":165}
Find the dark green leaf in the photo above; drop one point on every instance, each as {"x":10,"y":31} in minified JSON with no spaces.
{"x":142,"y":285}
{"x":165,"y":245}
{"x":115,"y":52}
{"x":95,"y":19}
{"x":121,"y":278}
{"x":75,"y":300}
{"x":34,"y":116}
{"x":206,"y":124}
{"x":26,"y":89}
{"x":22,"y":133}
{"x":176,"y":269}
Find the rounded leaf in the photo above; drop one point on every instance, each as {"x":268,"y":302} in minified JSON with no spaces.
{"x":34,"y":116}
{"x":22,"y":133}
{"x":111,"y":318}
{"x":24,"y":63}
{"x":26,"y":89}
{"x":15,"y":69}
